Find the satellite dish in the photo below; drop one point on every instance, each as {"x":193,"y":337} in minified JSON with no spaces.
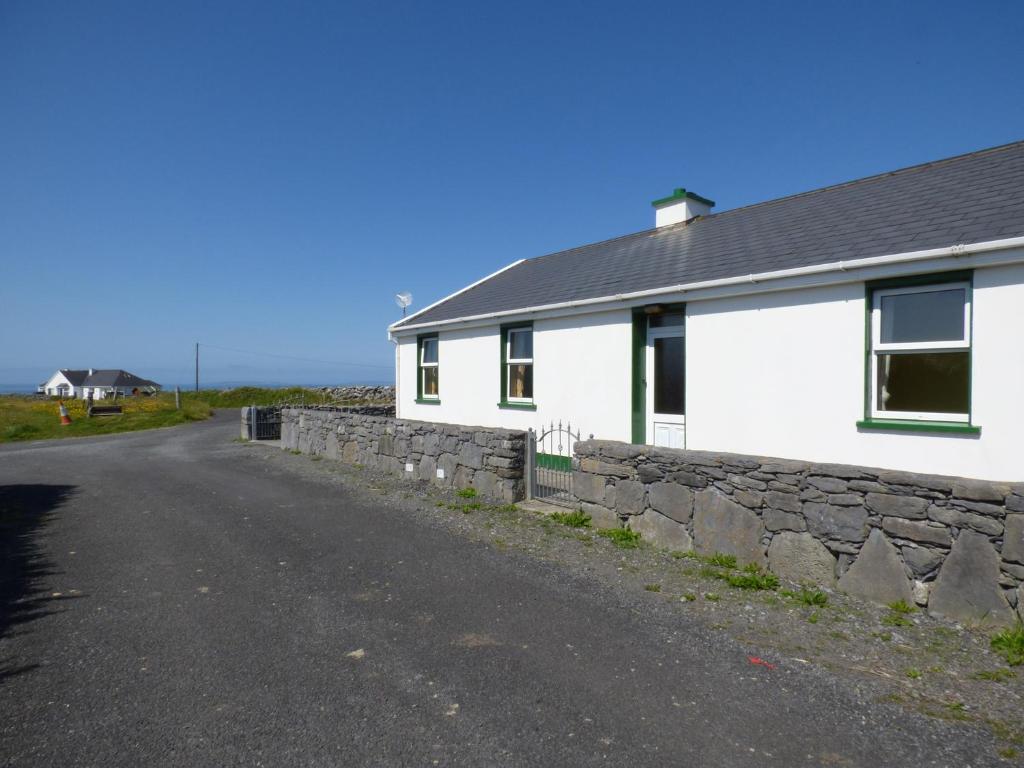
{"x":403,"y":299}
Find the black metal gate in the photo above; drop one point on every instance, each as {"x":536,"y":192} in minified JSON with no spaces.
{"x":551,"y":463}
{"x":265,"y":422}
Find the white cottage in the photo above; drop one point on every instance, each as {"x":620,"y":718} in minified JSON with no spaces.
{"x":99,"y":383}
{"x":877,"y":322}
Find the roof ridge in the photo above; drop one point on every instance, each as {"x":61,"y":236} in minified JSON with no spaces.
{"x":874,"y":176}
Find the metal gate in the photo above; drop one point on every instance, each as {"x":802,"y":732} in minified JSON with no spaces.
{"x":550,"y":463}
{"x":265,"y":422}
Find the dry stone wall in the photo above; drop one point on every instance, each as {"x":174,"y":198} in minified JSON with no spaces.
{"x":489,"y":460}
{"x":952,"y":544}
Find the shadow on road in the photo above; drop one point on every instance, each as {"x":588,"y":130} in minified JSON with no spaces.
{"x":24,"y":511}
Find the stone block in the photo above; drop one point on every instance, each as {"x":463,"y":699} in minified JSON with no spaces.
{"x":786,"y":502}
{"x":744,"y":481}
{"x":777,"y":520}
{"x":958,"y":519}
{"x":749,"y":499}
{"x":472,"y":455}
{"x":784,"y":466}
{"x":877,"y":574}
{"x":845,"y":500}
{"x":866,"y":486}
{"x":588,"y":487}
{"x":649,"y":473}
{"x":892,"y":505}
{"x":979,"y":490}
{"x":1013,"y":539}
{"x":967,"y":588}
{"x":486,"y":483}
{"x":916,"y":531}
{"x":922,"y":560}
{"x":691,"y":479}
{"x":661,"y":531}
{"x":844,"y":523}
{"x":427,"y":468}
{"x":1015,"y":503}
{"x":799,"y":557}
{"x":629,"y":497}
{"x":350,"y":452}
{"x":463,"y":477}
{"x":672,"y":500}
{"x":912,"y":479}
{"x":827,"y":484}
{"x":722,"y":525}
{"x":600,"y":517}
{"x":982,"y":508}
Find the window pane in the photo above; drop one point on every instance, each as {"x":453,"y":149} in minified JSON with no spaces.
{"x":430,"y":382}
{"x":520,"y":381}
{"x":931,"y":382}
{"x":929,"y":316}
{"x":520,"y":344}
{"x":669,"y":362}
{"x":430,"y":350}
{"x":666,"y":319}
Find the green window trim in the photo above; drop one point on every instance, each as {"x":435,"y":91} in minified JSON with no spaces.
{"x":503,"y":401}
{"x":907,"y":425}
{"x":517,"y":406}
{"x":419,"y":371}
{"x":638,"y":399}
{"x":900,"y":425}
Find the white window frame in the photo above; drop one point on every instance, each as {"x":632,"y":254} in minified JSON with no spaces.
{"x":878,"y":348}
{"x":424,"y":366}
{"x":510,"y":361}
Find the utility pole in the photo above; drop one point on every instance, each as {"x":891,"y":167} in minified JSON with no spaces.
{"x":197,"y":367}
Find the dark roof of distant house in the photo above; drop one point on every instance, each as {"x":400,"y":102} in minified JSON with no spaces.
{"x":75,"y":377}
{"x":116,"y":378}
{"x":961,"y":200}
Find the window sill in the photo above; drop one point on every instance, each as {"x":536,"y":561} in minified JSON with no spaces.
{"x":518,"y":406}
{"x":426,"y":401}
{"x":897,"y":425}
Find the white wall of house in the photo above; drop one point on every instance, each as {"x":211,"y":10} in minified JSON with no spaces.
{"x":783,"y":375}
{"x":774,"y":374}
{"x":58,"y":385}
{"x":581,"y":375}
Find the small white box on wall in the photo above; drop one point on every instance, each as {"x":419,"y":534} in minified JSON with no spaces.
{"x":440,"y":474}
{"x":408,"y":467}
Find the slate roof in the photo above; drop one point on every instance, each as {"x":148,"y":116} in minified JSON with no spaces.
{"x":966,"y":199}
{"x":116,"y":378}
{"x":74,"y":377}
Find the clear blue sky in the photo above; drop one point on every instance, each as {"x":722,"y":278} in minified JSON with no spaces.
{"x":267,"y":175}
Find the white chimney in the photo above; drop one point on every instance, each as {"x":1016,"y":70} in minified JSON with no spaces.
{"x":680,"y":206}
{"x":91,"y":371}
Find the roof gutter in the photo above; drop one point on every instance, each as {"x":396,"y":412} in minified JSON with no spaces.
{"x":762,"y":282}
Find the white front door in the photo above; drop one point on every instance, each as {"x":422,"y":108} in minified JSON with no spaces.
{"x":666,"y":381}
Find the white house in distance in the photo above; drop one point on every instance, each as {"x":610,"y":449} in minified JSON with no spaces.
{"x":100,"y":383}
{"x":878,"y":322}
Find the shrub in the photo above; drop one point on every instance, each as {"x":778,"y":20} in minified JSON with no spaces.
{"x":576,"y":519}
{"x":466,"y":493}
{"x":1010,"y":643}
{"x":621,"y":537}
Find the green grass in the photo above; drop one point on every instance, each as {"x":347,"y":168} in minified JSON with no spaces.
{"x":30,"y":418}
{"x":652,"y":587}
{"x":1010,"y":643}
{"x":751,"y":577}
{"x":466,"y":493}
{"x":901,"y":606}
{"x":914,"y":674}
{"x":712,"y":596}
{"x":995,"y":675}
{"x":721,"y":560}
{"x":689,"y":597}
{"x":807,"y":596}
{"x":896,"y":620}
{"x":576,"y":519}
{"x":621,"y":537}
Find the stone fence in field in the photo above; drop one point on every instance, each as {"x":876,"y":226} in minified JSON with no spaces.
{"x":951,"y":544}
{"x":489,"y":460}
